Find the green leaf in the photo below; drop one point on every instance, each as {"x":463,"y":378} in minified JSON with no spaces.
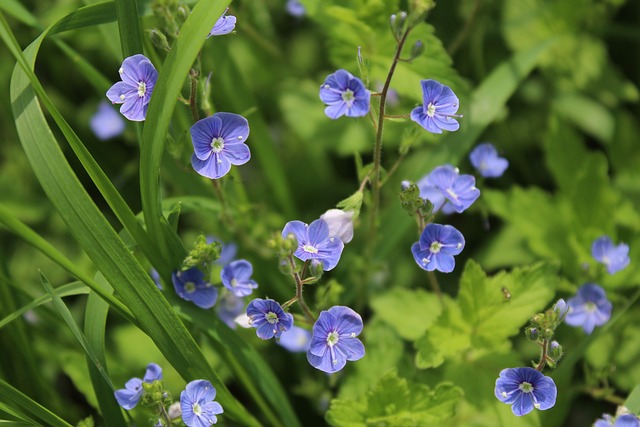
{"x":493,"y":319}
{"x":24,"y":405}
{"x":396,"y":402}
{"x":409,"y":311}
{"x":633,"y":401}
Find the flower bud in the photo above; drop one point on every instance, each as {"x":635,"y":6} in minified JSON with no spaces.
{"x":285,"y":267}
{"x":316,"y":270}
{"x":561,"y":308}
{"x":182,"y":13}
{"x":555,"y":350}
{"x":174,"y":411}
{"x":397,"y":23}
{"x":417,"y":49}
{"x":159,"y":40}
{"x":405,"y":184}
{"x":532,"y":334}
{"x":340,"y":224}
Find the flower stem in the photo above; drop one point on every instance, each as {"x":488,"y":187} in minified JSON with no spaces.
{"x":299,"y":286}
{"x":543,"y":355}
{"x":193,"y":105}
{"x":377,"y":149}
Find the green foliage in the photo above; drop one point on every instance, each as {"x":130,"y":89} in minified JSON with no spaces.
{"x":395,"y":401}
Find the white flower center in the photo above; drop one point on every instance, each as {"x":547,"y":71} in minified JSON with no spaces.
{"x":451,"y":193}
{"x":271,"y":317}
{"x":590,"y":307}
{"x":348,"y":97}
{"x":217,"y":144}
{"x":190,"y":287}
{"x":310,"y":249}
{"x":435,"y":247}
{"x":431,"y":110}
{"x":526,"y":387}
{"x":197,"y":410}
{"x":333,"y":338}
{"x":142,"y":89}
{"x":234,"y":283}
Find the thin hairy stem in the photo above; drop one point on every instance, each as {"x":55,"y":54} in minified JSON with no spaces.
{"x":299,"y":287}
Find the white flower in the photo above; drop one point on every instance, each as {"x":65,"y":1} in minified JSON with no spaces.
{"x":340,"y":224}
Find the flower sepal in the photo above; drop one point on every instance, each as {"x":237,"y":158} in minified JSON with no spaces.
{"x":202,"y":254}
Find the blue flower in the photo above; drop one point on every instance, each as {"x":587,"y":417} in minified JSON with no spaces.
{"x":430,"y":192}
{"x":460,"y":190}
{"x":134,"y":91}
{"x":229,"y":307}
{"x":624,"y":420}
{"x":334,"y":339}
{"x":224,"y":25}
{"x":236,"y":276}
{"x":155,"y":276}
{"x":437,"y":246}
{"x":197,"y":405}
{"x":129,"y":396}
{"x":106,"y":122}
{"x":228,"y":251}
{"x":589,"y":308}
{"x":295,"y":8}
{"x":525,"y":389}
{"x":314,"y":242}
{"x":438,"y":111}
{"x":295,"y":339}
{"x":561,"y":308}
{"x":269,"y":318}
{"x":486,"y":160}
{"x":614,"y":257}
{"x":190,"y":285}
{"x":345,"y":95}
{"x":218,"y":143}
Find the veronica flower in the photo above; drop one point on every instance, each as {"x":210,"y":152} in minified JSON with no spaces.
{"x":129,"y":396}
{"x":197,"y":405}
{"x":525,"y":389}
{"x":486,"y":160}
{"x":345,"y":95}
{"x":314,"y":242}
{"x":429,"y":191}
{"x":438,"y":111}
{"x":460,"y":190}
{"x":229,"y":307}
{"x":624,"y":420}
{"x":191,"y":286}
{"x":236,"y":276}
{"x":334,"y":340}
{"x":269,"y":318}
{"x":218,"y":143}
{"x":614,"y":257}
{"x":340,"y":224}
{"x":296,"y":339}
{"x":106,"y":123}
{"x":436,"y":248}
{"x":589,"y":308}
{"x":134,"y":91}
{"x":295,"y":8}
{"x":224,"y":25}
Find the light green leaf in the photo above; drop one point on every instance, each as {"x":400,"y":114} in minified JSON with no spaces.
{"x":409,"y":312}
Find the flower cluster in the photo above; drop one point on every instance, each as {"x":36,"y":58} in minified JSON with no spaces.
{"x":197,"y":406}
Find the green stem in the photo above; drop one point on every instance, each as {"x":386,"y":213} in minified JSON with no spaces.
{"x":193,"y":96}
{"x":543,"y":355}
{"x":299,"y":287}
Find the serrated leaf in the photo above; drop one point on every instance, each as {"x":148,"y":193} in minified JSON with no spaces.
{"x":484,"y":308}
{"x":409,"y":311}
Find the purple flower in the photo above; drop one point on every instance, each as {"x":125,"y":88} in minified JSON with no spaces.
{"x":197,"y":405}
{"x":229,"y":307}
{"x":345,"y":95}
{"x":525,"y":389}
{"x":218,"y":143}
{"x":129,"y":396}
{"x":438,"y":111}
{"x":436,"y":248}
{"x":459,"y":189}
{"x":314,"y":242}
{"x":134,"y":91}
{"x":269,"y":318}
{"x":190,"y":285}
{"x":295,"y":339}
{"x":624,"y":420}
{"x":334,"y":339}
{"x":589,"y":308}
{"x":485,"y":159}
{"x":430,"y":192}
{"x":295,"y":8}
{"x":224,"y":25}
{"x":614,"y":257}
{"x":106,"y":122}
{"x":155,"y":276}
{"x":236,"y":276}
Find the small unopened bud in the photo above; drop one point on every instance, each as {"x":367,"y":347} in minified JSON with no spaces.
{"x":417,"y":49}
{"x":316,"y":269}
{"x":555,"y":350}
{"x":340,"y":224}
{"x":532,"y":334}
{"x":405,"y":184}
{"x":561,"y":308}
{"x":285,"y":267}
{"x":159,"y":40}
{"x":182,"y":13}
{"x":397,"y":23}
